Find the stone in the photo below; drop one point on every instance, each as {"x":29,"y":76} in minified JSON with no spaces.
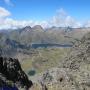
{"x":10,"y":70}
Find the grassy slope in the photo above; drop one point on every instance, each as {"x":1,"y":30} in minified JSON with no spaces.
{"x":44,"y":59}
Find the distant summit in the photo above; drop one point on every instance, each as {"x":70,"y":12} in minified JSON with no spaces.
{"x":37,"y":27}
{"x":27,"y":28}
{"x":34,"y":28}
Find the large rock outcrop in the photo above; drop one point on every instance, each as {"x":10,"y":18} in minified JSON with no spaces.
{"x":11,"y":74}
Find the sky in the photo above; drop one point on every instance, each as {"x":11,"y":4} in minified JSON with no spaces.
{"x":47,"y":13}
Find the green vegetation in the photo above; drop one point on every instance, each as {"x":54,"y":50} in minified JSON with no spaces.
{"x":44,"y":59}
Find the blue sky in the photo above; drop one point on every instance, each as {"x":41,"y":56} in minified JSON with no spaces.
{"x":44,"y":10}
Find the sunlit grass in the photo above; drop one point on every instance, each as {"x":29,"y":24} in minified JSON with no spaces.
{"x":44,"y":59}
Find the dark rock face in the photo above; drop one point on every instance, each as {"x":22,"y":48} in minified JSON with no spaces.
{"x":10,"y":70}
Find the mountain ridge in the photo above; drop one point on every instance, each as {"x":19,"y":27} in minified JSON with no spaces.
{"x":27,"y":36}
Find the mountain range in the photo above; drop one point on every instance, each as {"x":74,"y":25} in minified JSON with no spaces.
{"x":23,"y":38}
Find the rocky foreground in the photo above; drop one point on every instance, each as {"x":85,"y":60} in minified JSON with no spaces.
{"x":12,"y":75}
{"x":73,"y":73}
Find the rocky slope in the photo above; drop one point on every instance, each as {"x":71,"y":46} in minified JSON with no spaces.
{"x":73,"y":73}
{"x":11,"y":74}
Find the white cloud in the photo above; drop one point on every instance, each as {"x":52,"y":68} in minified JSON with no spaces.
{"x":8,"y":2}
{"x":4,"y":12}
{"x":61,"y":12}
{"x":11,"y":23}
{"x":87,"y":24}
{"x":6,"y":22}
{"x":61,"y":19}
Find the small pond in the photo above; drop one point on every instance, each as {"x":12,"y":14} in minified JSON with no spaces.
{"x":31,"y":72}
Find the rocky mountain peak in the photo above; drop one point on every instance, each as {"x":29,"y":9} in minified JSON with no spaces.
{"x":27,"y":28}
{"x":37,"y":27}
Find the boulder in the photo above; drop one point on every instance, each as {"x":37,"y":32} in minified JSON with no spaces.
{"x":11,"y":74}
